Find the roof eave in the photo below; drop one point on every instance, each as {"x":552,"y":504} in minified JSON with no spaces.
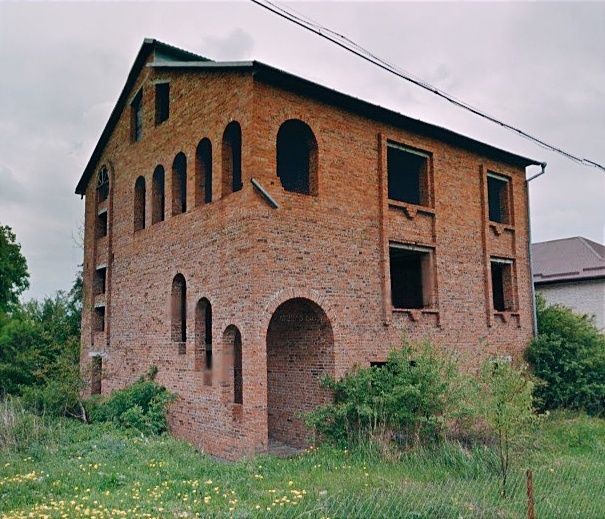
{"x":285,"y":79}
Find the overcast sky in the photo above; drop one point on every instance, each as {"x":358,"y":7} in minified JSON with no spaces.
{"x":540,"y":66}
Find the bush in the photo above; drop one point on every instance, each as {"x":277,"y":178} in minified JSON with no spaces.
{"x":406,"y":400}
{"x":568,"y":355}
{"x":141,"y":406}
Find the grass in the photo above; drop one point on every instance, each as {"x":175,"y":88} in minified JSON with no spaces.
{"x":62,"y":468}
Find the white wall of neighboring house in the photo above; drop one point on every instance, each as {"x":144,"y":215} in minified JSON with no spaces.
{"x":584,"y":297}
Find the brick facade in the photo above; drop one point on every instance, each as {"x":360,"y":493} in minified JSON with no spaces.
{"x":303,"y":290}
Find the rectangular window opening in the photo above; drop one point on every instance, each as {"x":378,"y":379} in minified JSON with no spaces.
{"x":100,"y":281}
{"x":162,"y":102}
{"x":99,"y":319}
{"x":136,"y":110}
{"x":407,"y":172}
{"x":411,"y":277}
{"x":502,"y":285}
{"x":102,"y":223}
{"x":378,"y":364}
{"x":498,"y":198}
{"x":96,"y":375}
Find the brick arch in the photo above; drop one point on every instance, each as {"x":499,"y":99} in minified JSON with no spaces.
{"x":300,"y":353}
{"x":283,"y":295}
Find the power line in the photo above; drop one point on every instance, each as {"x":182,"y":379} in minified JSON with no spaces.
{"x":353,"y":47}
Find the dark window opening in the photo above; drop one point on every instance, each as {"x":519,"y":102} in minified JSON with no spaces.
{"x":407,"y":173}
{"x":232,"y":349}
{"x":102,"y":185}
{"x":96,"y":375}
{"x":238,"y":383}
{"x":203,"y":172}
{"x":203,"y":337}
{"x":411,"y":279}
{"x":297,"y":157}
{"x":498,"y":196}
{"x":502,"y":285}
{"x":157,"y":195}
{"x":378,"y":364}
{"x":162,"y":102}
{"x":179,"y":309}
{"x":100,"y":281}
{"x":102,"y":224}
{"x":136,"y":110}
{"x":99,"y":319}
{"x":139,"y":204}
{"x":179,"y":184}
{"x":232,"y":159}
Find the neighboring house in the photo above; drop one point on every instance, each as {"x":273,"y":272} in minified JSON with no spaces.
{"x":249,"y":232}
{"x":571,"y":272}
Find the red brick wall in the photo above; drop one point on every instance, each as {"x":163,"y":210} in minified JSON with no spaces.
{"x":247,"y":258}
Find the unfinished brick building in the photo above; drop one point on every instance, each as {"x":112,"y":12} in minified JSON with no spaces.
{"x":248,"y":232}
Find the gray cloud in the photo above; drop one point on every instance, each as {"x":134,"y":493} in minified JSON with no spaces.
{"x":537,"y":65}
{"x":237,"y":45}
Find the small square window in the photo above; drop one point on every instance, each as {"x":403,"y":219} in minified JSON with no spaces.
{"x":136,"y":109}
{"x":102,"y":223}
{"x":162,"y":102}
{"x":100,"y":280}
{"x":498,"y":198}
{"x":411,"y":277}
{"x":502,"y":285}
{"x":407,"y":172}
{"x":99,"y":319}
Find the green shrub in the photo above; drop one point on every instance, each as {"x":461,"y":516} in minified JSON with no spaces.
{"x":569,"y":357}
{"x":141,"y":406}
{"x":59,"y":394}
{"x":407,"y":400}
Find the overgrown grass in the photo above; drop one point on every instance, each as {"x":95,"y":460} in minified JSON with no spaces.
{"x":100,"y":470}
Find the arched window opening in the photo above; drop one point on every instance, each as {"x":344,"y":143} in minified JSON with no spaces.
{"x":179,"y":311}
{"x":203,"y":339}
{"x":102,"y":185}
{"x":232,"y":346}
{"x":139,"y":204}
{"x":179,"y":184}
{"x":157,"y":195}
{"x":297,"y":157}
{"x":203,"y":172}
{"x":232,"y":158}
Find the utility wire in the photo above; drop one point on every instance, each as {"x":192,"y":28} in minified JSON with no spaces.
{"x":353,"y":47}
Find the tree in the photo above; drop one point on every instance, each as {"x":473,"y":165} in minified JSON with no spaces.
{"x":507,"y":408}
{"x":14,"y":277}
{"x":40,"y":343}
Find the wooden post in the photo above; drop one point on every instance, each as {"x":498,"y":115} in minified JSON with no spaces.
{"x":531,"y":513}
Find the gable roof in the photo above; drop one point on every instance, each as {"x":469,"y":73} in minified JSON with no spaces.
{"x":163,"y":53}
{"x":169,"y":57}
{"x":567,"y":259}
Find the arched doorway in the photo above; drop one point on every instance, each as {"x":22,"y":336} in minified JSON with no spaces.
{"x":300,"y":353}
